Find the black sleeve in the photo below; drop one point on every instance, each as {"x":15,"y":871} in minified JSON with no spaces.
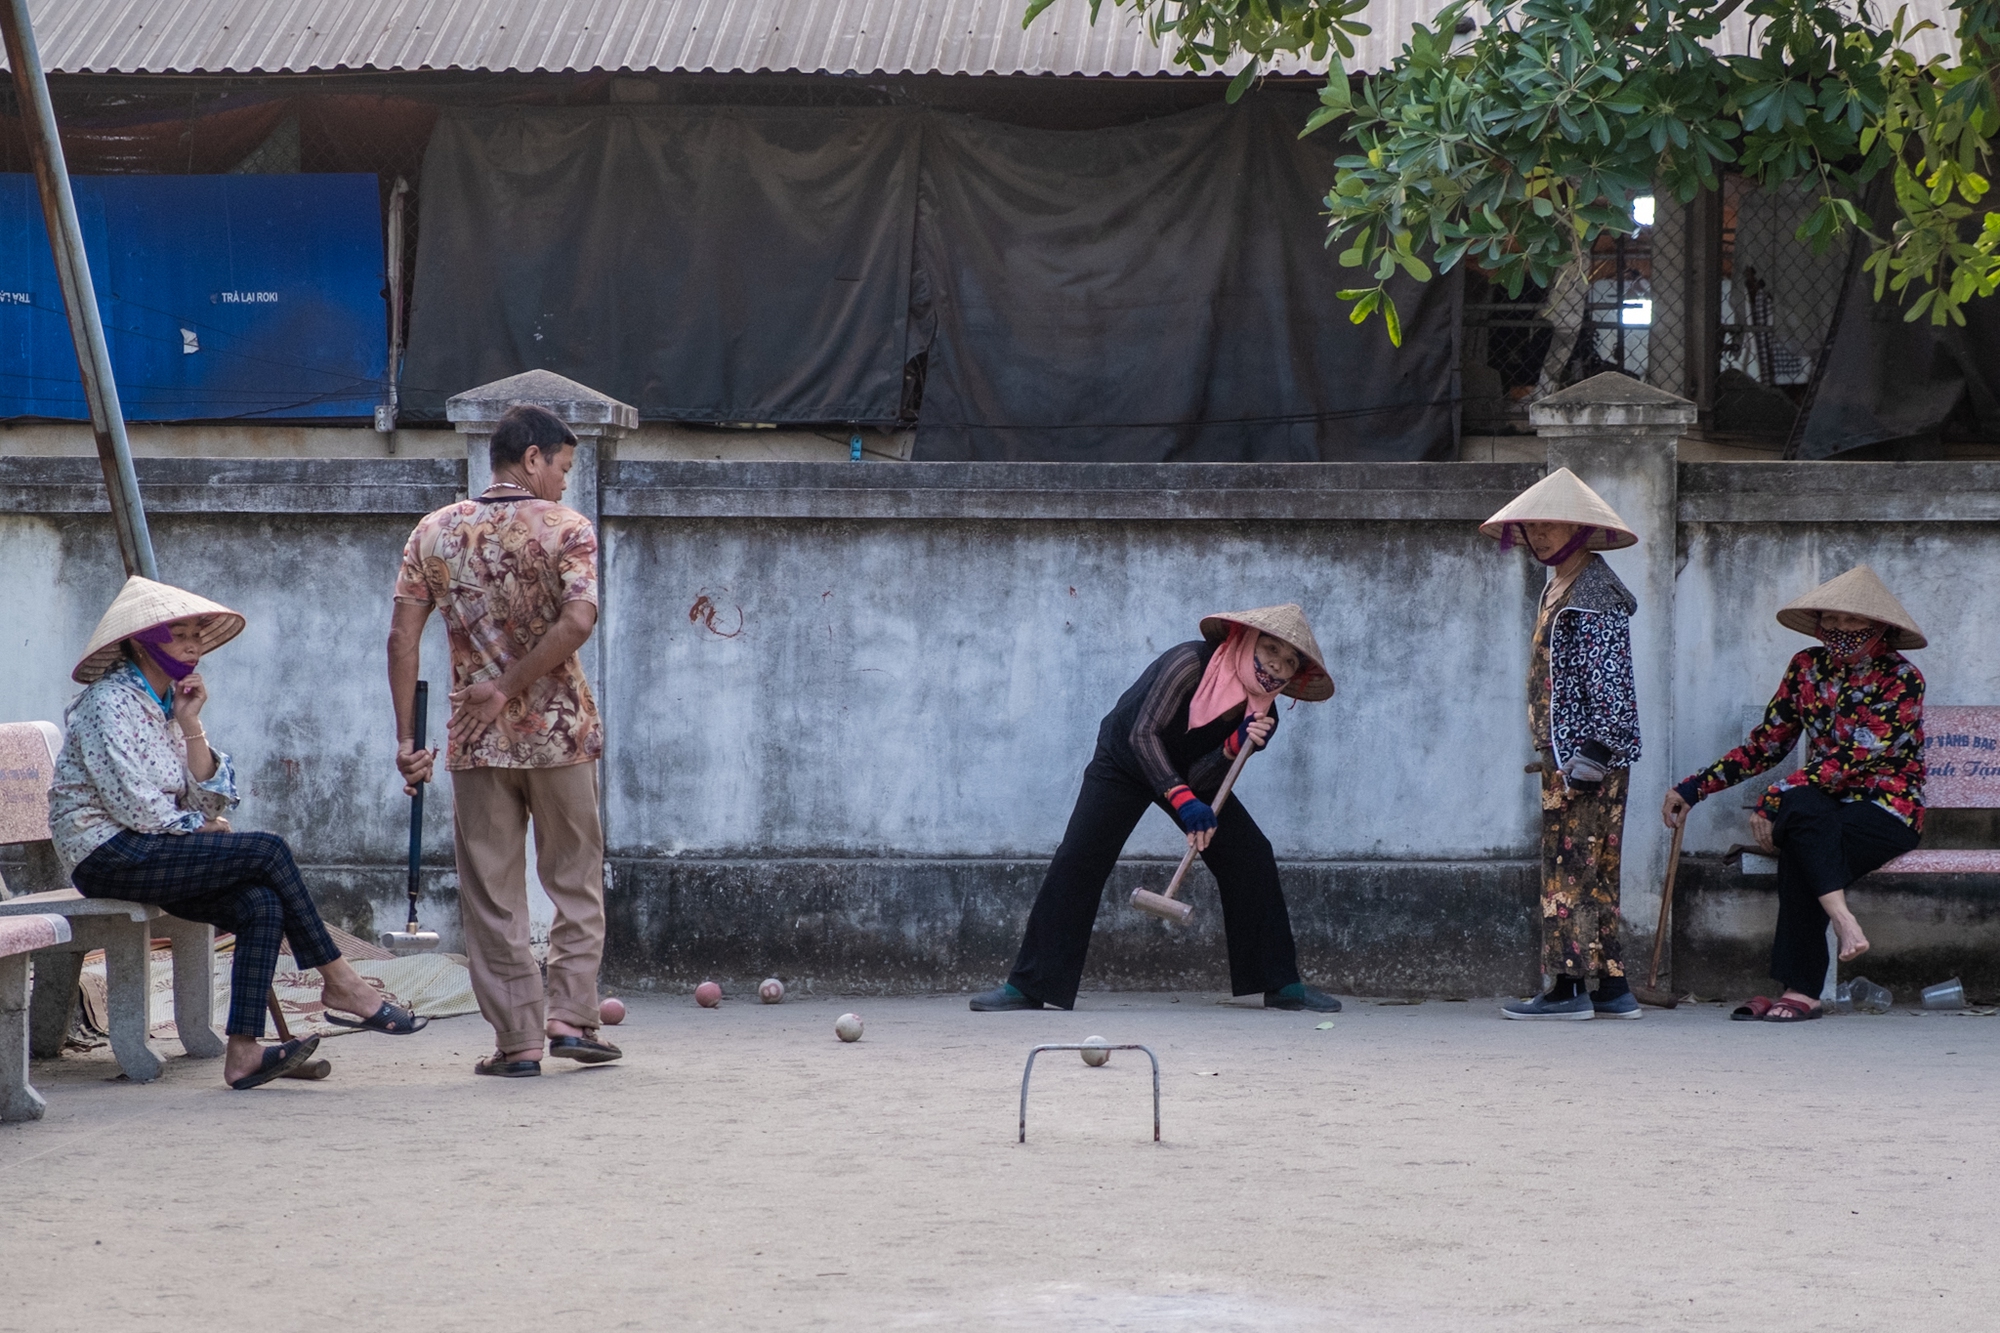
{"x":1173,"y":689}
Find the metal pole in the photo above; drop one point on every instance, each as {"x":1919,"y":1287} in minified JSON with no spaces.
{"x":86,"y":327}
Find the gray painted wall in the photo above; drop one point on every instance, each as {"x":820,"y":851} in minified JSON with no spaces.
{"x":853,"y":777}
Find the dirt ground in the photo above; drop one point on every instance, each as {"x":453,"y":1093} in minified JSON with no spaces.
{"x":1423,"y":1167}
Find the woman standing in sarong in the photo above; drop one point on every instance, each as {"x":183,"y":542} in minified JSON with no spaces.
{"x":1583,"y":717}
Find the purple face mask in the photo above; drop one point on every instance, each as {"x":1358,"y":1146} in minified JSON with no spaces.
{"x":156,"y":638}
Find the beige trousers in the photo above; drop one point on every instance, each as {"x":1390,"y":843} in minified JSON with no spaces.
{"x":493,"y":807}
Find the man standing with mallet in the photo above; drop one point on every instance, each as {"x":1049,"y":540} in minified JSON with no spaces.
{"x":514,"y":573}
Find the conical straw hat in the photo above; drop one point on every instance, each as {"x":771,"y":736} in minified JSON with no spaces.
{"x":1858,"y":592}
{"x":1287,"y":622}
{"x":1561,"y":497}
{"x":142,"y":604}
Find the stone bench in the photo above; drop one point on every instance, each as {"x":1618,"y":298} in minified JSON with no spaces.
{"x":124,"y":930}
{"x":19,"y":937}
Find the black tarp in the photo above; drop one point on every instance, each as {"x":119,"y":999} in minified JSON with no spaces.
{"x":1887,"y":379}
{"x":701,"y":263}
{"x":1161,"y":291}
{"x":1146,"y":292}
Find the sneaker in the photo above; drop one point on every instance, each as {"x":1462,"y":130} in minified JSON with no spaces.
{"x":1001,"y":999}
{"x":1299,"y":996}
{"x":1542,"y":1007}
{"x":1625,"y":1006}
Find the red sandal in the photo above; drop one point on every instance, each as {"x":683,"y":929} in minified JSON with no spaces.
{"x":1792,"y":1011}
{"x":1751,"y":1010}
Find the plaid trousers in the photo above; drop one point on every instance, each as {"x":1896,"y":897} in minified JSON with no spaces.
{"x":241,"y":882}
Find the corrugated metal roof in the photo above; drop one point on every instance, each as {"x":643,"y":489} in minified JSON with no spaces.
{"x":724,"y":36}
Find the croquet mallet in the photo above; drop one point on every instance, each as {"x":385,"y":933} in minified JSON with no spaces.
{"x":415,"y":939}
{"x":1651,"y":993}
{"x":1165,"y":905}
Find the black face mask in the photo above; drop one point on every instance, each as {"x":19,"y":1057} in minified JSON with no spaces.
{"x":1845,"y":643}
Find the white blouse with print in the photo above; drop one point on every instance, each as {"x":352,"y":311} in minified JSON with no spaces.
{"x":124,"y":766}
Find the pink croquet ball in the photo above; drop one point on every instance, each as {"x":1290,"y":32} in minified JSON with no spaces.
{"x":771,"y":991}
{"x":611,"y":1011}
{"x":708,"y":995}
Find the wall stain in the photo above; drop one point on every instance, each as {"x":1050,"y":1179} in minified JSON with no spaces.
{"x":703,"y":613}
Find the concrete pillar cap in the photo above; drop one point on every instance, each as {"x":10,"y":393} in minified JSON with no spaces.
{"x":583,"y":409}
{"x":1615,"y":401}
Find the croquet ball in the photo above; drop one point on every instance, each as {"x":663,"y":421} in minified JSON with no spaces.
{"x":847,"y":1027}
{"x":1094,"y":1052}
{"x":611,"y":1011}
{"x":771,"y":991}
{"x":708,"y":995}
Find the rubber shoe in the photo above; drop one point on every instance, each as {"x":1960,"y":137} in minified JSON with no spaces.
{"x":1299,"y":996}
{"x":1625,"y":1006}
{"x":1002,"y":999}
{"x":1542,"y":1008}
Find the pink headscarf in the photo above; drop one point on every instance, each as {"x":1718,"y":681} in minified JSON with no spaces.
{"x":1231,"y":679}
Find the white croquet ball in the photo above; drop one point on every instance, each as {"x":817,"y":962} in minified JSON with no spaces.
{"x":1095,"y":1052}
{"x":771,"y":990}
{"x":847,"y":1027}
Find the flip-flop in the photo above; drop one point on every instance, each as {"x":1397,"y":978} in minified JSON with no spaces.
{"x":279,"y":1061}
{"x":1751,"y":1010}
{"x":1793,"y":1011}
{"x":390,"y":1018}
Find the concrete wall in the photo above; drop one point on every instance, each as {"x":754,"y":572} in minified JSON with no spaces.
{"x":853,"y":773}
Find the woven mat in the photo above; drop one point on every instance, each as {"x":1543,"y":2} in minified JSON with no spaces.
{"x":435,"y":985}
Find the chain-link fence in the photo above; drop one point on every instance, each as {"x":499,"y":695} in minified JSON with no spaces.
{"x":1627,"y":312}
{"x":1777,"y":302}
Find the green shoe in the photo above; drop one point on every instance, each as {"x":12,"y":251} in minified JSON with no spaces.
{"x":1002,"y":999}
{"x":1298,"y":996}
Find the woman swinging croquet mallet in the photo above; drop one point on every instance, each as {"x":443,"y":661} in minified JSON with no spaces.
{"x":1859,"y":799}
{"x":1168,"y":743}
{"x":1583,"y":716}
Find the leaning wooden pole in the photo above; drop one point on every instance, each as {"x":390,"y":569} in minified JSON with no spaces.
{"x":86,"y":326}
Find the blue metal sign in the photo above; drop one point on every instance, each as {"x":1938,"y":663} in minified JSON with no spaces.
{"x":223,"y":297}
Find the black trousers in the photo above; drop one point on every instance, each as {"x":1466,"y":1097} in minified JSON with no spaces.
{"x":241,"y":882}
{"x":1262,"y":955}
{"x":1824,"y":845}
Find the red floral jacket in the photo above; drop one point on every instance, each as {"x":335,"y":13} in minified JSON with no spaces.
{"x":1865,"y":721}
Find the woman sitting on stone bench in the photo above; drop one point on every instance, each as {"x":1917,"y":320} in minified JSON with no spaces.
{"x":1857,"y":803}
{"x":137,"y":813}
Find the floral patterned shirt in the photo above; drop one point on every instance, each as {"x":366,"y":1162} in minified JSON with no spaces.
{"x":123,"y":766}
{"x":500,"y":571}
{"x":1865,"y":721}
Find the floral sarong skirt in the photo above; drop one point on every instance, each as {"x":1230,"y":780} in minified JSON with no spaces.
{"x":1583,"y":835}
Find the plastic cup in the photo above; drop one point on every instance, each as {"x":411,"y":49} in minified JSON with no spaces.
{"x":1945,"y":995}
{"x":1870,"y":998}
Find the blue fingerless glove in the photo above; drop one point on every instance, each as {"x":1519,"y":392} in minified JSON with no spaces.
{"x":1234,"y":745}
{"x":1193,"y":812}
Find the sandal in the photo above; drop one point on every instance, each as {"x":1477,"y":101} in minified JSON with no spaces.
{"x":498,"y":1065}
{"x":390,"y":1018}
{"x":584,"y":1050}
{"x":1751,"y":1010}
{"x":279,"y":1061}
{"x":1793,"y":1011}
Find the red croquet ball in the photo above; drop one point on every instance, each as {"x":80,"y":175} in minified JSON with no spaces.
{"x":611,"y":1011}
{"x":708,"y":995}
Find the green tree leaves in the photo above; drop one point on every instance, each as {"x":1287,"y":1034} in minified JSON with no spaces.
{"x":1520,"y":144}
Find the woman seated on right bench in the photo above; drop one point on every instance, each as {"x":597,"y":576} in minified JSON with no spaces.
{"x":1858,"y":802}
{"x":137,"y":813}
